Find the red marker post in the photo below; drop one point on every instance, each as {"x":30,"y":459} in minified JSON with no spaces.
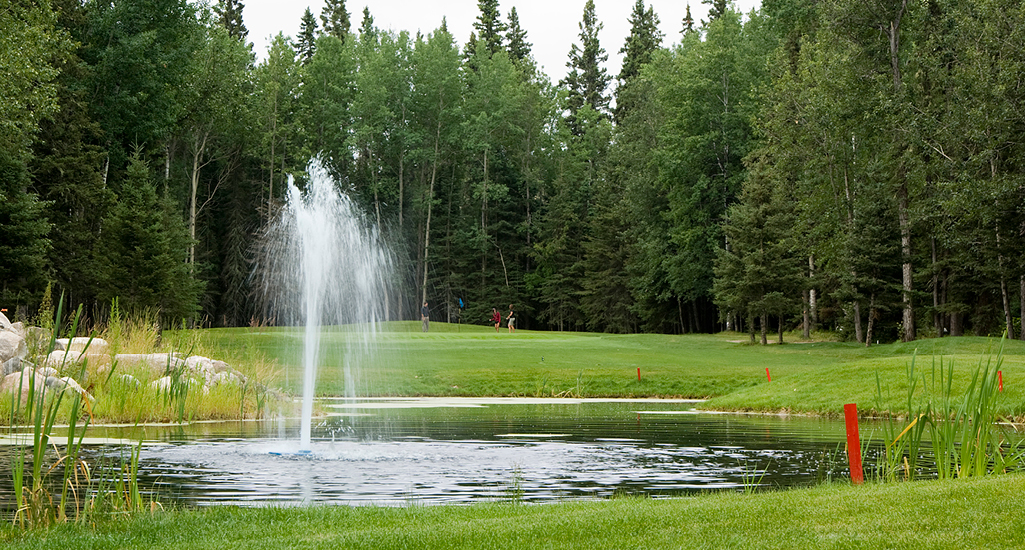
{"x":850,"y":412}
{"x":767,"y":376}
{"x":1000,"y":379}
{"x":638,"y":374}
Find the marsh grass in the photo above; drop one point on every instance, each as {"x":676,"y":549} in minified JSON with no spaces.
{"x":37,"y":503}
{"x":962,"y":432}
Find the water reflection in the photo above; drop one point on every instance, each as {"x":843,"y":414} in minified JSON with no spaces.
{"x":459,"y":451}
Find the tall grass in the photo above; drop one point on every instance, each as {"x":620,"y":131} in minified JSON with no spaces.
{"x":961,"y":433}
{"x":39,"y":502}
{"x":35,"y":503}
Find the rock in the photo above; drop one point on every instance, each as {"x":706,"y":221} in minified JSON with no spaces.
{"x":225,"y":378}
{"x":158,"y":363}
{"x":61,"y":358}
{"x":5,"y":323}
{"x":82,"y":344}
{"x":11,"y":345}
{"x":130,"y":381}
{"x":23,"y":380}
{"x":48,"y":371}
{"x":19,"y":329}
{"x":164,"y":384}
{"x":11,"y":365}
{"x":66,"y":383}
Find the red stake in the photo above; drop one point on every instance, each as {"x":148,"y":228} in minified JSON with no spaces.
{"x":850,"y":411}
{"x":1000,"y":379}
{"x":638,"y":374}
{"x":767,"y":374}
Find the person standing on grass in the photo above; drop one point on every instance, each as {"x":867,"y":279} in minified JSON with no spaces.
{"x":496,"y":317}
{"x":510,"y":319}
{"x":425,"y":317}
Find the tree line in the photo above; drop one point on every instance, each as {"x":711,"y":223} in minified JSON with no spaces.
{"x":817,"y":164}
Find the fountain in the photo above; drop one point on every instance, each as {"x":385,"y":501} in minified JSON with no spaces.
{"x":322,"y":266}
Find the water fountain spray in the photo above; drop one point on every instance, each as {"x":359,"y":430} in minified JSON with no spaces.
{"x":325,"y":269}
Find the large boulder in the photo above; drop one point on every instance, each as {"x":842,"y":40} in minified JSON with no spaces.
{"x":157,"y":363}
{"x":213,"y":371}
{"x":5,"y":323}
{"x":11,"y":345}
{"x":68,"y":383}
{"x":23,"y":381}
{"x":82,"y":344}
{"x":10,"y":366}
{"x":165,"y":383}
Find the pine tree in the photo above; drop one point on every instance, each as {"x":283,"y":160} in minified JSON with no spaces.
{"x":142,"y":249}
{"x":489,"y":26}
{"x":23,"y":230}
{"x":587,"y":79}
{"x":335,"y":19}
{"x":229,"y":12}
{"x":307,"y":39}
{"x":688,"y":22}
{"x":367,"y":29}
{"x":519,"y":48}
{"x":717,"y":8}
{"x":644,"y":40}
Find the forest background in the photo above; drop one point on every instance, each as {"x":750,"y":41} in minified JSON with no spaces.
{"x":850,"y":165}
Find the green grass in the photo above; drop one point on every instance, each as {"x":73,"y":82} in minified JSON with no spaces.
{"x":451,"y":360}
{"x":978,"y":513}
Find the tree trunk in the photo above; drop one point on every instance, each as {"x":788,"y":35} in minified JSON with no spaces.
{"x":812,"y":295}
{"x":858,"y":335}
{"x":908,"y":317}
{"x":198,"y":148}
{"x":937,"y":319}
{"x":1008,"y":322}
{"x":273,"y":141}
{"x":765,"y":329}
{"x":780,"y":329}
{"x":430,"y":204}
{"x":871,"y":319}
{"x":1021,"y":305}
{"x":806,"y":318}
{"x":751,"y":327}
{"x":903,"y":217}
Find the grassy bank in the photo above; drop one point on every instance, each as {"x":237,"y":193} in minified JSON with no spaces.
{"x":980,"y":513}
{"x":814,"y":377}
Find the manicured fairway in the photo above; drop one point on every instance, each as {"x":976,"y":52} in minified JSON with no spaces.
{"x":980,"y":513}
{"x":816,"y":377}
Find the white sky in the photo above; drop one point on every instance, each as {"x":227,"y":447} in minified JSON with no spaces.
{"x":552,"y":25}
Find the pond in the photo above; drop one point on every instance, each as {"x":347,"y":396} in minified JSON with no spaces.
{"x":433,"y":451}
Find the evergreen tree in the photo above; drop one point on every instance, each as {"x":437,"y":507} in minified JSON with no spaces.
{"x":229,"y":13}
{"x":306,"y":42}
{"x":142,"y":249}
{"x":644,"y":40}
{"x":335,"y":19}
{"x":66,"y":172}
{"x":489,"y":26}
{"x":688,"y":22}
{"x":716,"y":8}
{"x":759,"y":271}
{"x":587,"y":80}
{"x":519,"y":48}
{"x":23,"y":235}
{"x":367,"y":29}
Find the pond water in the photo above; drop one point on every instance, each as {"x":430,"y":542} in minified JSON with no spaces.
{"x":429,"y":451}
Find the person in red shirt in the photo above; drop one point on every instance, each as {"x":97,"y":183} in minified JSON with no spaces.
{"x":496,"y":317}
